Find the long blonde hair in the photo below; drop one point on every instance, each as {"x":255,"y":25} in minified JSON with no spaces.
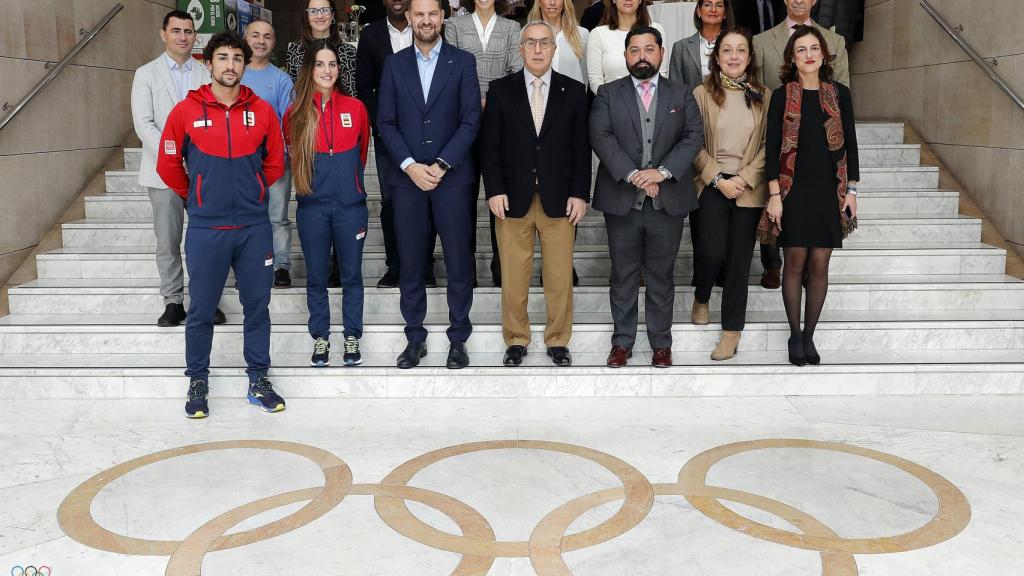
{"x":567,"y":22}
{"x":304,"y":118}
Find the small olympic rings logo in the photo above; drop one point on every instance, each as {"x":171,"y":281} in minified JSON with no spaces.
{"x":31,"y":571}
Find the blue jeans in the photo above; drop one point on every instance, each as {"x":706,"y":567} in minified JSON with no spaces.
{"x":280,"y":196}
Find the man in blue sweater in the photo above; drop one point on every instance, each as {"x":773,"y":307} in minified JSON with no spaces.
{"x":271,"y":84}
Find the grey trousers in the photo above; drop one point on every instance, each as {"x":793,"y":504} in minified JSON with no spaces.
{"x":280,"y":196}
{"x":646,"y":241}
{"x":168,"y":221}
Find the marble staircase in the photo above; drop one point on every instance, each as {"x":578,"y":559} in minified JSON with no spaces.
{"x":917,"y":304}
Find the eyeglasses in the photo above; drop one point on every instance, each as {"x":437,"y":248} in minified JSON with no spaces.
{"x":325,"y":11}
{"x":544,"y":43}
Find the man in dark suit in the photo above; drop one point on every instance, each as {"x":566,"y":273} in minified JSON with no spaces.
{"x":758,"y":15}
{"x":646,"y":131}
{"x":428,"y":116}
{"x":378,"y":41}
{"x":542,"y":189}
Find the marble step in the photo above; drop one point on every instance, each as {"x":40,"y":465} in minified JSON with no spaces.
{"x":995,"y":292}
{"x":872,"y":230}
{"x":872,"y":177}
{"x":750,"y":373}
{"x":857,"y":331}
{"x":589,"y":260}
{"x":877,"y":202}
{"x":872,"y":134}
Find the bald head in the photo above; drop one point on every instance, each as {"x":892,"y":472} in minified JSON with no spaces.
{"x":260,"y":36}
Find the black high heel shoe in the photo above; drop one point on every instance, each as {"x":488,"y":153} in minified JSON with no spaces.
{"x":796,"y":350}
{"x":810,"y":352}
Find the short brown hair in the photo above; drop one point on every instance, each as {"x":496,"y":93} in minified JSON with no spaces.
{"x":788,"y":71}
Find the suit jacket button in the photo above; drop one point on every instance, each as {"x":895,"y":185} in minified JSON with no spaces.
{"x":538,"y":148}
{"x":534,"y":170}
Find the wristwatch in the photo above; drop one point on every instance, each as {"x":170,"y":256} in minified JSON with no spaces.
{"x":664,"y":173}
{"x":444,"y":165}
{"x":718,"y":178}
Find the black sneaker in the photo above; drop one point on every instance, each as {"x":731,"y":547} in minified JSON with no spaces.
{"x":172,"y":316}
{"x":196,"y":406}
{"x":262,"y":394}
{"x":321,"y":353}
{"x":352,"y":356}
{"x":219,"y":317}
{"x":282,"y":278}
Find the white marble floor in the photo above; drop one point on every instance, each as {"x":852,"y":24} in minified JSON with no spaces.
{"x":951,"y":495}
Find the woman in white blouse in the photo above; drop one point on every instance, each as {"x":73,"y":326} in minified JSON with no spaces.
{"x":606,"y":48}
{"x":570,"y":39}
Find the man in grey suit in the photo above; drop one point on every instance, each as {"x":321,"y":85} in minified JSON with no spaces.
{"x":157,"y":87}
{"x":646,"y":132}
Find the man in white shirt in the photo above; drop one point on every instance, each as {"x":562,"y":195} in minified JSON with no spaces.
{"x":157,"y":87}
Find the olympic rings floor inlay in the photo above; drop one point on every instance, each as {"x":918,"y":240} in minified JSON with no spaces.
{"x":477,"y":544}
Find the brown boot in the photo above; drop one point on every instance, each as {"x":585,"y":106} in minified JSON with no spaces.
{"x":727,"y":345}
{"x":699,"y":314}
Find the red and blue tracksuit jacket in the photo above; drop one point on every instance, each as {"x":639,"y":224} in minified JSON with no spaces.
{"x":342,"y":144}
{"x":222,"y":159}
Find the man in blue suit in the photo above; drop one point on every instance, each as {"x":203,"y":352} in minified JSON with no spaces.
{"x":428,"y":116}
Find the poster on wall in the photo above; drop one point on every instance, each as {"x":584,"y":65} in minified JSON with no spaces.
{"x":212,"y":16}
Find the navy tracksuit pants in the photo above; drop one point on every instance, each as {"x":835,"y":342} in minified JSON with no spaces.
{"x":210,"y":253}
{"x":344,"y":226}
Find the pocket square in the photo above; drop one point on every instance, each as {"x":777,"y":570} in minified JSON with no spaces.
{"x":674,"y":110}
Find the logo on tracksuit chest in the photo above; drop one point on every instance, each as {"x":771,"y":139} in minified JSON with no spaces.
{"x":248,"y":118}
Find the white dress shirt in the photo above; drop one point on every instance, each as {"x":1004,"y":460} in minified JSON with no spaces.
{"x":706,"y":47}
{"x":180,"y":73}
{"x":484,"y":33}
{"x":565,"y":60}
{"x":400,"y":39}
{"x":545,"y":88}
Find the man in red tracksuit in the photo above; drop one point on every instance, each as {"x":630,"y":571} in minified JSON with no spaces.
{"x":221,"y":149}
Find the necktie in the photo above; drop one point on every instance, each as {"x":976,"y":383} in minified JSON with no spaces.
{"x":646,"y":86}
{"x":537,"y":104}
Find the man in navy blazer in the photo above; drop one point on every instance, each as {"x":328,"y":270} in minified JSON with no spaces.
{"x":428,"y":116}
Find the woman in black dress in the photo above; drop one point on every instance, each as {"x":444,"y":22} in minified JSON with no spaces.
{"x":809,"y":116}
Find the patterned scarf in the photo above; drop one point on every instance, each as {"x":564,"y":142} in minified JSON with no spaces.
{"x":829,"y":97}
{"x":749,"y":93}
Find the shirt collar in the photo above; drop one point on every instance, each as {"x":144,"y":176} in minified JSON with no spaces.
{"x":790,"y":23}
{"x":653,"y":80}
{"x":174,"y":65}
{"x":393,"y":30}
{"x":546,"y":77}
{"x":433,"y":51}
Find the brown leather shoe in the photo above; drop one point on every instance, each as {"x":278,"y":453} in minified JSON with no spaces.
{"x":771,"y":279}
{"x":727,"y":345}
{"x":618,"y":356}
{"x":700,"y":315}
{"x":662,"y":358}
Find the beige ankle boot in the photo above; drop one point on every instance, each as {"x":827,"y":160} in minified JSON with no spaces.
{"x":699,"y":314}
{"x":727,"y":345}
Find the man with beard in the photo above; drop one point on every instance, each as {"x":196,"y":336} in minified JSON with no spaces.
{"x":428,"y":115}
{"x":231,"y":143}
{"x":377,"y":42}
{"x":646,"y":131}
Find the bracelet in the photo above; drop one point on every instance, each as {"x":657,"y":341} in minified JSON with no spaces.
{"x":780,"y":194}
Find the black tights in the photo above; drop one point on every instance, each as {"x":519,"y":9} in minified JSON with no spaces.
{"x":799,"y":263}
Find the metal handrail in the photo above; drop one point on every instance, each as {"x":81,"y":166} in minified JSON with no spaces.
{"x":988,"y":69}
{"x":56,"y":70}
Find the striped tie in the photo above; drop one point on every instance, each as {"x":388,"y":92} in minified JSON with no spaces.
{"x":537,"y":104}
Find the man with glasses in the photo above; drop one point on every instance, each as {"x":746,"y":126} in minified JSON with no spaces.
{"x":542,"y":190}
{"x":158,"y":86}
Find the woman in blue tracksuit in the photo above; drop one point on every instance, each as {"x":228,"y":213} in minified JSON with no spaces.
{"x":328,"y":134}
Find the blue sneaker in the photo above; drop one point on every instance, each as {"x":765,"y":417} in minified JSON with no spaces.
{"x":196,"y":406}
{"x":262,"y":394}
{"x":321,"y":353}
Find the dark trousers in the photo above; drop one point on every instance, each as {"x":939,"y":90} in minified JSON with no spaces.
{"x":727,"y":236}
{"x":387,"y":210}
{"x":643,"y":242}
{"x":495,"y":257}
{"x":450,"y":208}
{"x":345,"y":227}
{"x":209,"y":255}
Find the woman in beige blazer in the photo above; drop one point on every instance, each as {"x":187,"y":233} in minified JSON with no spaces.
{"x":729,"y":178}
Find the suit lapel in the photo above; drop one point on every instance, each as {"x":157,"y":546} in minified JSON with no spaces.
{"x":781,"y":39}
{"x":442,"y":73}
{"x":521,"y":99}
{"x":628,"y":92}
{"x":693,"y":51}
{"x":556,"y":93}
{"x":165,"y":76}
{"x":665,"y":97}
{"x":411,"y":70}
